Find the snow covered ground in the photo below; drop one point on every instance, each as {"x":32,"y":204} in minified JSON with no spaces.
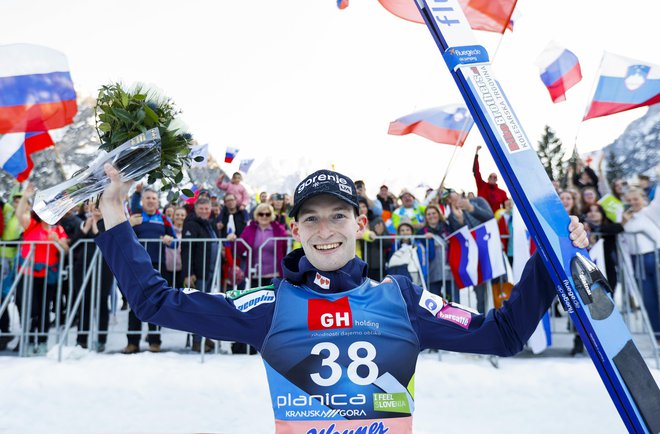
{"x":174,"y":392}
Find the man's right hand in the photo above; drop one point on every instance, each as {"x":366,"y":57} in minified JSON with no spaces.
{"x":112,"y":199}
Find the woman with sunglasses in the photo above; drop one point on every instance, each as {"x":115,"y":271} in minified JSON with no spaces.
{"x":258,"y":235}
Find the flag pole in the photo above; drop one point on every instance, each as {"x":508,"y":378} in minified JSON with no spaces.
{"x":459,"y":144}
{"x":592,"y":93}
{"x":506,"y":25}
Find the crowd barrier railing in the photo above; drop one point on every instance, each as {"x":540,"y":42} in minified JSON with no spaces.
{"x":84,"y":300}
{"x":30,"y":292}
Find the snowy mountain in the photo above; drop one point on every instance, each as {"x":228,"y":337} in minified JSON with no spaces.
{"x":638,"y":148}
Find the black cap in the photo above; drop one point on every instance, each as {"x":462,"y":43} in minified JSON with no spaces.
{"x":324,"y":182}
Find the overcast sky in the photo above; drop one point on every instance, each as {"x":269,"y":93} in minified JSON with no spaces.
{"x":301,"y":79}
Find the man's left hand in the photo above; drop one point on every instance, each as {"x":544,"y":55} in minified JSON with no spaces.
{"x":577,"y":233}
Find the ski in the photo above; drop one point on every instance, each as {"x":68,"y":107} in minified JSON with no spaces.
{"x":582,"y":290}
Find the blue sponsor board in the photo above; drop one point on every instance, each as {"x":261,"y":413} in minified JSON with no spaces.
{"x":466,"y":55}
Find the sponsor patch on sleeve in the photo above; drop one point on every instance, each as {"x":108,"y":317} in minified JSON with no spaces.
{"x":431,"y":302}
{"x":456,"y":315}
{"x":254,"y":298}
{"x":189,"y":290}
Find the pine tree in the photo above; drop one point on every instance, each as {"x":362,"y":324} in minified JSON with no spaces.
{"x":551,"y":154}
{"x":614,"y":167}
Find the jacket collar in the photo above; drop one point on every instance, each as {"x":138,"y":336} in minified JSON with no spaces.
{"x":299,"y":271}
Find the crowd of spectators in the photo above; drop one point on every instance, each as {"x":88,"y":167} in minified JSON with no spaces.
{"x":222,"y":239}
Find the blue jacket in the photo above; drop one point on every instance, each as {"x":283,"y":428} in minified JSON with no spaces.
{"x":229,"y":317}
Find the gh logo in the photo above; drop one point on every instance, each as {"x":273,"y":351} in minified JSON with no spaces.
{"x":326,"y":314}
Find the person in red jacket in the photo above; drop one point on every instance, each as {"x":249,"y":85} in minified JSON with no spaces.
{"x":494,"y":195}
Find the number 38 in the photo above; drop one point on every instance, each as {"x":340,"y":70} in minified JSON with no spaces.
{"x":356,"y":361}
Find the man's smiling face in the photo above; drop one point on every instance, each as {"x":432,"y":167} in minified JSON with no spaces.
{"x":327,"y":228}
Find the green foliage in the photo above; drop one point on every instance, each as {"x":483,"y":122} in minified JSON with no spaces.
{"x":615,"y":168}
{"x":551,"y":154}
{"x":123,"y":114}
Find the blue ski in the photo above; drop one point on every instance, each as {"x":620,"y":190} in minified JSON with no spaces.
{"x":582,"y":290}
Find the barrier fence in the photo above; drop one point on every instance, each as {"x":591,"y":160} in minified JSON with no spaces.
{"x":78,"y":292}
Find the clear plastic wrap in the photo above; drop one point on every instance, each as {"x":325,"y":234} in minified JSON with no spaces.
{"x":134,"y":159}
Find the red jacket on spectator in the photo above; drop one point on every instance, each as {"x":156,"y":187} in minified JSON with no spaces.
{"x":494,"y":195}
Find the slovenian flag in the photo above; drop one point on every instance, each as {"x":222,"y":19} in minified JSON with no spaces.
{"x":487,"y":15}
{"x":489,"y":246}
{"x":230,"y":154}
{"x":463,"y":258}
{"x":448,"y":124}
{"x":624,"y":84}
{"x":36,"y":90}
{"x":16,"y":150}
{"x":475,"y":255}
{"x":560,"y":70}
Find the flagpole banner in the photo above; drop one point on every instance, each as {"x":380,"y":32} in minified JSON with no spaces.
{"x":448,"y":124}
{"x":560,"y":70}
{"x":624,"y":84}
{"x":36,"y":90}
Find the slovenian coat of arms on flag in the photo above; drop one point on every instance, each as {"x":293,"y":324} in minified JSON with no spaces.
{"x":560,"y":70}
{"x":230,"y":154}
{"x":475,"y":255}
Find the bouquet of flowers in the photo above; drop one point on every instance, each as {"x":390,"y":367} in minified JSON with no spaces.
{"x":140,"y":135}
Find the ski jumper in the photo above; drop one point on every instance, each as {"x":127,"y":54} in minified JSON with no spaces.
{"x":339,"y":349}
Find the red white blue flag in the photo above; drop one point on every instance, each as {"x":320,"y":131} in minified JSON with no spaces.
{"x":230,"y":154}
{"x":342,"y":4}
{"x":16,"y":150}
{"x":487,"y":15}
{"x":463,"y":258}
{"x":560,"y":70}
{"x":475,"y":256}
{"x":36,"y":90}
{"x":448,"y":124}
{"x":624,"y":84}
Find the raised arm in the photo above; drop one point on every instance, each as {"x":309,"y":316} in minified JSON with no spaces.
{"x":153,"y":300}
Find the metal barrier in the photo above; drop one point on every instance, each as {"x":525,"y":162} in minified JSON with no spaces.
{"x":34,"y":314}
{"x":631,"y":274}
{"x":84,"y":300}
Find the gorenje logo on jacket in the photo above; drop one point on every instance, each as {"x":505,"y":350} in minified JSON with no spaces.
{"x":325,"y":314}
{"x":347,"y":366}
